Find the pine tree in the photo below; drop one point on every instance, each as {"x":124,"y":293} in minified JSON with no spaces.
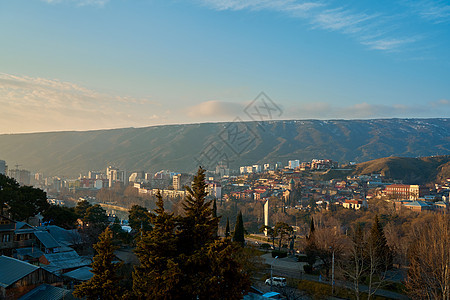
{"x":238,"y":235}
{"x":198,"y":227}
{"x":105,"y":282}
{"x":227,"y":228}
{"x":181,"y":258}
{"x":158,"y":274}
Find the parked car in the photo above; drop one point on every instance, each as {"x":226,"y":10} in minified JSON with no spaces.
{"x":277,"y":281}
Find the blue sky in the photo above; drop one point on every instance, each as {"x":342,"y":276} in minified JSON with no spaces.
{"x":93,"y":64}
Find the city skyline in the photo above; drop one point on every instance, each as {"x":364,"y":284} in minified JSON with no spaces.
{"x":98,"y":64}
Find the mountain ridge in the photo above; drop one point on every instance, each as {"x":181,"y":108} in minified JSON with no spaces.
{"x":181,"y":147}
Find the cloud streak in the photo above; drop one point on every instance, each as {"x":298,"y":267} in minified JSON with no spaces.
{"x":79,"y":2}
{"x":367,"y":28}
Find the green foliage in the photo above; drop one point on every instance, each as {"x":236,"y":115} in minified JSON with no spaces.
{"x":308,"y":269}
{"x":26,"y":202}
{"x":279,"y":253}
{"x":105,"y":282}
{"x":282,"y":230}
{"x":96,"y":216}
{"x":81,"y":208}
{"x":158,"y":276}
{"x":238,"y":234}
{"x":198,"y":226}
{"x":377,"y":242}
{"x":62,"y":216}
{"x":182,"y":258}
{"x":8,"y":191}
{"x":139,"y":218}
{"x":227,"y":228}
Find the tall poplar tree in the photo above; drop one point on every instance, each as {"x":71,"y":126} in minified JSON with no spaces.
{"x":105,"y":282}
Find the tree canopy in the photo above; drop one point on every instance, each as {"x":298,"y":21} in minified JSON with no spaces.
{"x":105,"y":282}
{"x":182,"y":257}
{"x":22,"y":202}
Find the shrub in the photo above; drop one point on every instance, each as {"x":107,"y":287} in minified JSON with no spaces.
{"x":278,"y":253}
{"x":316,"y":290}
{"x":302,"y":258}
{"x":308,"y":269}
{"x":265,"y":246}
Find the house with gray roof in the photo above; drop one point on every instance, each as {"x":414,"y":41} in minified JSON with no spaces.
{"x":48,"y":292}
{"x":17,"y":277}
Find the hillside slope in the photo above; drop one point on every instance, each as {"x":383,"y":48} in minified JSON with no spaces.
{"x":179,"y":147}
{"x":411,"y":170}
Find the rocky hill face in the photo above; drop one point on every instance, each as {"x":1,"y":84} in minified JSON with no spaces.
{"x":183,"y":147}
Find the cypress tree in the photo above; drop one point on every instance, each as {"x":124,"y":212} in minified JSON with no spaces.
{"x":311,"y":228}
{"x":105,"y":282}
{"x":238,"y":235}
{"x":377,"y":242}
{"x":227,"y":228}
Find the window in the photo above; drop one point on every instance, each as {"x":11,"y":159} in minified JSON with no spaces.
{"x":5,"y":238}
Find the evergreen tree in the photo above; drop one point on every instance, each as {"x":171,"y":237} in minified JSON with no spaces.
{"x":238,"y":235}
{"x":198,"y":226}
{"x":227,"y":228}
{"x":105,"y":282}
{"x":311,"y":249}
{"x":311,"y":228}
{"x":181,"y":258}
{"x":81,"y":208}
{"x":381,"y":251}
{"x":28,"y":202}
{"x":96,"y":216}
{"x":214,"y":211}
{"x":139,"y":218}
{"x":8,"y":191}
{"x":62,"y":216}
{"x":158,"y":275}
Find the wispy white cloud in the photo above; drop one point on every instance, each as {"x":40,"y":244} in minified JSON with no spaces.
{"x":278,"y":5}
{"x":433,"y":11}
{"x":368,"y":28}
{"x":342,"y":20}
{"x":79,"y":2}
{"x":389,"y":44}
{"x":38,"y":104}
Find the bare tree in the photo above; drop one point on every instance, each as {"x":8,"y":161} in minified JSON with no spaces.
{"x":353,"y":264}
{"x":429,"y":273}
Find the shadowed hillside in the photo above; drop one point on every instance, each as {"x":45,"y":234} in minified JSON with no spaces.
{"x":178,"y":147}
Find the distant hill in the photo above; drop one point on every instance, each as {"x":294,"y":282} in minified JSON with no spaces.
{"x":179,"y":147}
{"x":410,"y":170}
